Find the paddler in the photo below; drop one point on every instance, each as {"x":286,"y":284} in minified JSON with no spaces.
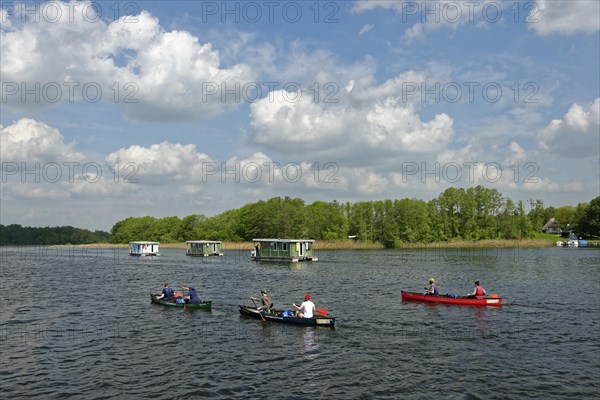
{"x":267,"y":304}
{"x":432,"y":289}
{"x":478,"y":291}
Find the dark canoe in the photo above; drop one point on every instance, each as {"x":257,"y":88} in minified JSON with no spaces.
{"x":203,"y":305}
{"x":277,"y":316}
{"x":465,"y":301}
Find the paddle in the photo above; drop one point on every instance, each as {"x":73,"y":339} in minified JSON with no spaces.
{"x":491,"y":296}
{"x":259,"y":313}
{"x":182,"y":295}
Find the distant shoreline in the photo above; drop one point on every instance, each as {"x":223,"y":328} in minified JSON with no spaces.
{"x":355,"y":245}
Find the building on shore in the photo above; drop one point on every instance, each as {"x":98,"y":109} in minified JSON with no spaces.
{"x":551,"y":227}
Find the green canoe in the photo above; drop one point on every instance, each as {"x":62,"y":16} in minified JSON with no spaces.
{"x":203,"y":305}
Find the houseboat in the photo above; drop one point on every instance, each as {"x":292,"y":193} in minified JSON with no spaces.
{"x":143,"y":249}
{"x":203,"y":248}
{"x":283,"y":250}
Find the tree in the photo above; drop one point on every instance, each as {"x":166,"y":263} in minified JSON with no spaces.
{"x":165,"y":230}
{"x":360,"y":220}
{"x":415,"y":222}
{"x":274,"y":218}
{"x":385,"y":227}
{"x":131,"y":229}
{"x":475,"y":213}
{"x":589,"y":223}
{"x":508,"y":224}
{"x":326,"y":221}
{"x":537,"y":214}
{"x":289,"y":217}
{"x":565,"y":216}
{"x":16,"y":234}
{"x":449,"y":209}
{"x":469,"y":216}
{"x":523,"y":223}
{"x":190,"y":227}
{"x":488,"y":203}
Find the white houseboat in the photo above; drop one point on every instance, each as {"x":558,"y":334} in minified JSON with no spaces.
{"x":143,"y":249}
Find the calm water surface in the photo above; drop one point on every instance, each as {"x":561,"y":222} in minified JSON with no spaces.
{"x":80,"y":324}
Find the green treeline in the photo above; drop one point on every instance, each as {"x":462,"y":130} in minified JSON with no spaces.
{"x":19,"y":235}
{"x":468,"y":214}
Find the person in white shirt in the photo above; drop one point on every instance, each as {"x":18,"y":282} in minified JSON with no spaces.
{"x":306,"y":309}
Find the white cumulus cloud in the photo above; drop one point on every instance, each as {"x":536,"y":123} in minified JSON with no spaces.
{"x":367,"y":121}
{"x":575,"y":135}
{"x":435,"y":15}
{"x":154,"y":73}
{"x":173,"y":160}
{"x":564,"y":17}
{"x":28,"y":140}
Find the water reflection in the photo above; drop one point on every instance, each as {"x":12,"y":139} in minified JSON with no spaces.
{"x":309,"y":343}
{"x":480,"y":314}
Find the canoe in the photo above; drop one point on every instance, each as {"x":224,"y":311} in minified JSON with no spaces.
{"x":287,"y":317}
{"x":465,"y":301}
{"x":203,"y":305}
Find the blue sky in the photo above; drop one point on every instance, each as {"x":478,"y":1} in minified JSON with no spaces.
{"x":117,"y":109}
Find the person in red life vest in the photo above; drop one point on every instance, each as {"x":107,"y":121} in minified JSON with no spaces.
{"x":478,"y":291}
{"x":432,"y":289}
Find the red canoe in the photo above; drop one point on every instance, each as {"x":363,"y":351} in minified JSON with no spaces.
{"x":465,"y":301}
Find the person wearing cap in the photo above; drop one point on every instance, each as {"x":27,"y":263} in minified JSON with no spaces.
{"x":432,"y":290}
{"x":306,"y":309}
{"x":478,"y":291}
{"x":267,"y":303}
{"x":192,"y":296}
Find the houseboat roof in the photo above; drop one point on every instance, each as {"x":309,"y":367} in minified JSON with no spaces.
{"x":203,"y":241}
{"x":142,"y":242}
{"x":284,"y":240}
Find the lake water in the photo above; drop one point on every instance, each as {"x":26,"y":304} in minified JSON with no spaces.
{"x":80,"y":323}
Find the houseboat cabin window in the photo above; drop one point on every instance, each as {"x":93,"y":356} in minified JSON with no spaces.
{"x":284,"y":246}
{"x":274,"y":246}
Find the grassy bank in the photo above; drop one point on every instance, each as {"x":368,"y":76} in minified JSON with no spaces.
{"x":356,"y":245}
{"x":541,"y":241}
{"x":90,"y":246}
{"x":482,"y":244}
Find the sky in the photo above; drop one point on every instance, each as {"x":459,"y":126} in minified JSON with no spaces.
{"x":124,"y":109}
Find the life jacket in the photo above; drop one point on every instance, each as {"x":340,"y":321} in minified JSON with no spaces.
{"x":479,"y":292}
{"x":436,"y":291}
